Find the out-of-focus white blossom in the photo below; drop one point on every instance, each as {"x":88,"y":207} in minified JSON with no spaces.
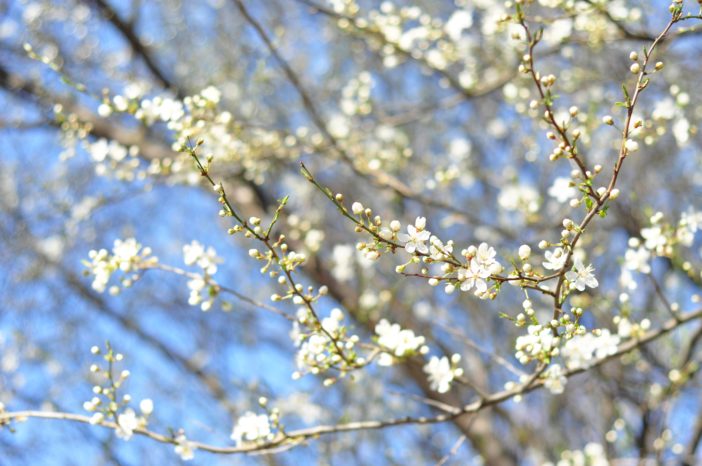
{"x":399,"y":342}
{"x":561,"y":190}
{"x":184,"y":448}
{"x":127,"y":422}
{"x":592,"y":455}
{"x":127,"y":256}
{"x":519,"y":197}
{"x":581,"y":351}
{"x":205,"y":258}
{"x":441,"y":373}
{"x":637,"y":257}
{"x":538,"y":344}
{"x":252,"y":428}
{"x":555,"y":379}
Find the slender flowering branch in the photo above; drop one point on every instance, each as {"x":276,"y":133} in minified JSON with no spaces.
{"x":286,"y":267}
{"x":295,"y":437}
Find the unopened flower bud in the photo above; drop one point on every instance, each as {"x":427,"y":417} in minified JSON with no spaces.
{"x":524,"y":252}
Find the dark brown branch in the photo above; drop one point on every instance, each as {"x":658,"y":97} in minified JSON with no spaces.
{"x":137,"y":46}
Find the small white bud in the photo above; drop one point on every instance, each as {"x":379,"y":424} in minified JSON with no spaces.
{"x":524,"y":252}
{"x":146,"y":406}
{"x":631,"y":146}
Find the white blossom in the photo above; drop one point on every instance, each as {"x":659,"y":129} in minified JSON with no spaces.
{"x":473,"y":276}
{"x":637,"y":257}
{"x":654,"y":238}
{"x":555,"y":260}
{"x":184,"y":448}
{"x":127,"y":256}
{"x":689,"y":224}
{"x":561,"y":190}
{"x":592,"y":455}
{"x":343,"y":259}
{"x":524,"y":252}
{"x":207,"y":259}
{"x":459,"y":21}
{"x":126,"y":423}
{"x":440,"y":374}
{"x":252,"y":428}
{"x":555,"y":379}
{"x":332,"y":323}
{"x":146,"y":406}
{"x":582,"y":276}
{"x":438,"y":250}
{"x":539,"y":343}
{"x":519,"y":197}
{"x":485,"y":258}
{"x":415,"y":237}
{"x":582,"y":351}
{"x":399,"y":342}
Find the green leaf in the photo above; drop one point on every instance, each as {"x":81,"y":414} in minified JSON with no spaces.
{"x":603,"y":212}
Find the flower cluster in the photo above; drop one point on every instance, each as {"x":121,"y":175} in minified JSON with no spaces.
{"x":554,"y":379}
{"x":252,"y":428}
{"x":442,"y":371}
{"x":254,"y":149}
{"x":581,"y":351}
{"x":539,"y":344}
{"x":110,"y":158}
{"x":592,"y":455}
{"x":637,"y":257}
{"x":113,"y":159}
{"x":521,"y":198}
{"x":203,"y":289}
{"x":108,"y":403}
{"x":397,"y":343}
{"x":660,"y":239}
{"x":563,"y":190}
{"x":128,"y":257}
{"x":628,"y":329}
{"x":356,"y":95}
{"x":401,"y":33}
{"x":323,"y":345}
{"x":473,"y":273}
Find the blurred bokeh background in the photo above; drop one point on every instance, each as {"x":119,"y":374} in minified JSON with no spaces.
{"x":424,"y":101}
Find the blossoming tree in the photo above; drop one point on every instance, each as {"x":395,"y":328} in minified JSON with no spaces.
{"x":351,"y":232}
